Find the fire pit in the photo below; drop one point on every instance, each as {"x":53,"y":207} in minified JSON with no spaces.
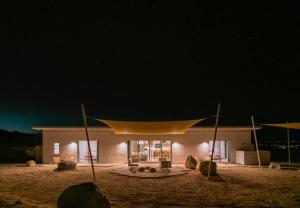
{"x":151,"y":172}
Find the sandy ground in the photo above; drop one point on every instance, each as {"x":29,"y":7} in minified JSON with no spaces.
{"x":236,"y":186}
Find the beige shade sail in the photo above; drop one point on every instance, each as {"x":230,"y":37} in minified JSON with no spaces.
{"x":285,"y":125}
{"x":150,"y":127}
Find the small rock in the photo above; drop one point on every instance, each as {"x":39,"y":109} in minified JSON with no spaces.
{"x":191,"y":162}
{"x":141,"y":169}
{"x":133,"y":169}
{"x":204,"y":166}
{"x":152,"y":170}
{"x":274,"y":166}
{"x":66,"y":165}
{"x":85,"y":195}
{"x":30,"y":163}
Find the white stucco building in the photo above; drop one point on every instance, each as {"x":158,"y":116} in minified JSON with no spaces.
{"x":122,"y":144}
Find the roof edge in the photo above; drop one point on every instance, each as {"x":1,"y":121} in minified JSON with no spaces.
{"x":106,"y":128}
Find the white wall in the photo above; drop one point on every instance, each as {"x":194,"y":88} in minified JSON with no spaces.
{"x":113,"y":148}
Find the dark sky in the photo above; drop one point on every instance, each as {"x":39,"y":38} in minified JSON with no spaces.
{"x":148,"y":60}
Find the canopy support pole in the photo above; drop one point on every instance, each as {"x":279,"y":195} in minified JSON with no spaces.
{"x":255,"y":138}
{"x":288,"y":140}
{"x":215,"y":136}
{"x":88,"y":139}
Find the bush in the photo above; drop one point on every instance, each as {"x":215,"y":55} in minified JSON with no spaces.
{"x":66,"y":165}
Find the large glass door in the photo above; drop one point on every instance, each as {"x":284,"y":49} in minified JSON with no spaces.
{"x":166,"y":149}
{"x":149,"y":150}
{"x":221,"y":151}
{"x":84,"y":155}
{"x":143,"y":147}
{"x":155,"y":151}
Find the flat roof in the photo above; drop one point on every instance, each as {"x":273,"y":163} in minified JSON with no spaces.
{"x":108,"y":129}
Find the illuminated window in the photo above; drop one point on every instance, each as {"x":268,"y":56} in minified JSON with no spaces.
{"x":221,"y":151}
{"x":56,"y":148}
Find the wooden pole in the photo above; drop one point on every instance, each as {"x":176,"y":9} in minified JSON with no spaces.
{"x":128,"y":152}
{"x":255,"y":138}
{"x":288,"y":140}
{"x":88,"y":139}
{"x":215,"y":136}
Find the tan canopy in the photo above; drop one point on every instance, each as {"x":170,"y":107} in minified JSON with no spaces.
{"x":285,"y":125}
{"x":150,"y":127}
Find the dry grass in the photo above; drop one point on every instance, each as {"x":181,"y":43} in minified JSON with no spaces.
{"x":235,"y":187}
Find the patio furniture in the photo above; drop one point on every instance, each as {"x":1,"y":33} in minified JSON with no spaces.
{"x":55,"y":159}
{"x":165,"y":164}
{"x":143,"y":157}
{"x":135,"y":159}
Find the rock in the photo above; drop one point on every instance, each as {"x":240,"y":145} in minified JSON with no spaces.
{"x":152,"y":170}
{"x":133,"y":169}
{"x":85,"y":195}
{"x":66,"y":165}
{"x":30,"y":163}
{"x":204,"y":166}
{"x":274,"y":166}
{"x":141,"y":169}
{"x":191,"y":162}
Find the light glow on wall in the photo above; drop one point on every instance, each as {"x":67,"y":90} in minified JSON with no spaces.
{"x":73,"y":146}
{"x":122,"y":148}
{"x":72,"y":149}
{"x":203,"y":147}
{"x":176,"y":147}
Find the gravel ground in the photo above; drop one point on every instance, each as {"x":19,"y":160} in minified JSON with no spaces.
{"x":236,"y":186}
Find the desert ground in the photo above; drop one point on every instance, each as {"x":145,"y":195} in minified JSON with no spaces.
{"x":236,"y":186}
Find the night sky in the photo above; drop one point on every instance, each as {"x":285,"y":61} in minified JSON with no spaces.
{"x":148,"y":60}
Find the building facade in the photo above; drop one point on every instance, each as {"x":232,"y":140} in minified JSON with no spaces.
{"x":69,"y":143}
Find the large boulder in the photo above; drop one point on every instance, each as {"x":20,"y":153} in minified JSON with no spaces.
{"x":274,"y":165}
{"x":191,"y":162}
{"x":204,"y":166}
{"x":30,"y":163}
{"x":85,"y":195}
{"x":66,"y":165}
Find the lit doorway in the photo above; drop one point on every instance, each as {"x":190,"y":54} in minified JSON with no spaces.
{"x":149,"y":150}
{"x":221,"y":151}
{"x":84,"y":156}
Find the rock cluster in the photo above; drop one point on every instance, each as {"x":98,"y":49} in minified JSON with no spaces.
{"x":66,"y":165}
